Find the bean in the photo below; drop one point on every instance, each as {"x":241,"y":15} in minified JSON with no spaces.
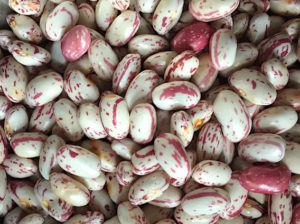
{"x":123,"y":112}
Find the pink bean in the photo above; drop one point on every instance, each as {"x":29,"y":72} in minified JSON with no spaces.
{"x":269,"y":178}
{"x":75,"y":42}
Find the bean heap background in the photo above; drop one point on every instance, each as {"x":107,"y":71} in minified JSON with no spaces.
{"x":150,"y":111}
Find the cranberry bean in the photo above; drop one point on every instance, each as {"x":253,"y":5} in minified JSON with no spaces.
{"x":129,"y":22}
{"x":252,"y":209}
{"x":262,"y":148}
{"x":148,"y":187}
{"x":211,"y":173}
{"x":236,"y":124}
{"x":280,"y":207}
{"x":15,"y":79}
{"x":284,"y":118}
{"x":141,"y":87}
{"x":64,"y":16}
{"x":238,"y":195}
{"x":142,"y":123}
{"x":125,"y":72}
{"x":22,"y":193}
{"x":109,"y":159}
{"x":114,"y":115}
{"x":176,"y":95}
{"x":118,"y":193}
{"x":27,"y":7}
{"x":172,"y":156}
{"x":130,"y":214}
{"x":166,"y":15}
{"x":182,"y":67}
{"x":198,"y":201}
{"x":28,"y":144}
{"x":68,"y":189}
{"x":125,"y":147}
{"x":222,"y":49}
{"x":105,"y":14}
{"x":103,"y":59}
{"x":54,"y":206}
{"x":25,"y":28}
{"x":253,"y":86}
{"x":211,"y":11}
{"x":29,"y":54}
{"x":78,"y":161}
{"x":19,"y":167}
{"x":15,"y":121}
{"x":147,"y":44}
{"x":100,"y":201}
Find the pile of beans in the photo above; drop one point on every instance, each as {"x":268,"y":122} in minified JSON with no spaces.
{"x":150,"y":112}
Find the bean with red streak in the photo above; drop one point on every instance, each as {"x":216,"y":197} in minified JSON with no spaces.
{"x":14,"y":80}
{"x":176,"y":95}
{"x":275,"y":120}
{"x":166,"y":15}
{"x":78,"y":161}
{"x":63,"y":17}
{"x":105,"y":14}
{"x":144,"y":161}
{"x":15,"y":121}
{"x":222,"y":49}
{"x":54,"y":206}
{"x":210,"y":142}
{"x":65,"y":115}
{"x":147,"y":44}
{"x":6,"y":204}
{"x":44,"y":88}
{"x":208,"y":11}
{"x":68,"y":189}
{"x":103,"y":59}
{"x":118,"y":193}
{"x":252,"y":209}
{"x":28,"y":144}
{"x":19,"y":167}
{"x":280,"y":207}
{"x":79,"y":88}
{"x":125,"y":147}
{"x":170,"y":198}
{"x":262,"y":147}
{"x":206,"y":74}
{"x":205,"y":201}
{"x":236,"y":123}
{"x":109,"y":159}
{"x":114,"y":115}
{"x":148,"y":187}
{"x":130,"y":214}
{"x":238,"y":195}
{"x":100,"y":201}
{"x":125,"y":175}
{"x":182,"y":67}
{"x":125,"y":72}
{"x":142,"y":123}
{"x":31,"y":7}
{"x":22,"y":193}
{"x":141,"y":87}
{"x":29,"y":54}
{"x":129,"y":22}
{"x":182,"y":127}
{"x":290,"y":158}
{"x":171,"y":155}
